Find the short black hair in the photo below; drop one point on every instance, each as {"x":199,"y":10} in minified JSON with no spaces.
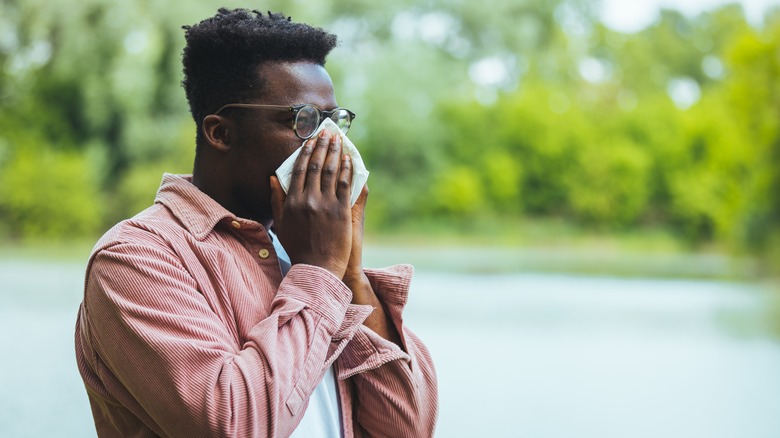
{"x":223,"y":53}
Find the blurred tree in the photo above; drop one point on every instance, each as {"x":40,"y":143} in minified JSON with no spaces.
{"x":465,"y":110}
{"x":753,"y":95}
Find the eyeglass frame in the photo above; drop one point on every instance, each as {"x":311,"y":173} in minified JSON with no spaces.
{"x":295,"y":109}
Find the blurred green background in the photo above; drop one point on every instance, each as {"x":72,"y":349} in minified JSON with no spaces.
{"x":593,"y":209}
{"x":522,"y":122}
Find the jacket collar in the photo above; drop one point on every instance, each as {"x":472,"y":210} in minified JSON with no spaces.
{"x":197,"y":211}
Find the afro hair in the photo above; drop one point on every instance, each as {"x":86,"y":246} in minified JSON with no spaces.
{"x":223,"y":53}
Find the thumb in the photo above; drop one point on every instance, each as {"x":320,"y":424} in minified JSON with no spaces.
{"x":363,"y":197}
{"x":358,"y":210}
{"x":277,"y":200}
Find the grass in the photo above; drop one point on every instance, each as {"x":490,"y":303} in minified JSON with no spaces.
{"x":48,"y":250}
{"x":579,"y":260}
{"x":495,"y":246}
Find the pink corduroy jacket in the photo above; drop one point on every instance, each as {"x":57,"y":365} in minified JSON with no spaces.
{"x":188,"y":329}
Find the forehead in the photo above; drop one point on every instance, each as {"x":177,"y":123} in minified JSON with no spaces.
{"x":289,"y":83}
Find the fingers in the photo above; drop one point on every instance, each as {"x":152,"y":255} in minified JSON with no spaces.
{"x":330,"y":169}
{"x":298,"y":178}
{"x":343,"y":189}
{"x":316,"y":162}
{"x":319,"y":167}
{"x":277,"y":200}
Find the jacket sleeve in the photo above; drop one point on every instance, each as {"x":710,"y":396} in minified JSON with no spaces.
{"x":159,"y":349}
{"x":395,"y":387}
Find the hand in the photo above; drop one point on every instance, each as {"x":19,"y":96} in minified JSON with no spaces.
{"x":354,"y":271}
{"x":362,"y":293}
{"x":313,"y":221}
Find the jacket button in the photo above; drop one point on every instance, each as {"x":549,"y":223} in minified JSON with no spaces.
{"x":263,"y":253}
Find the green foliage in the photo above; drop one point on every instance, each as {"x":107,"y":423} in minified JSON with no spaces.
{"x":46,"y":193}
{"x":511,"y":110}
{"x":752,"y":91}
{"x":458,"y":192}
{"x":609,"y":184}
{"x":503,"y":175}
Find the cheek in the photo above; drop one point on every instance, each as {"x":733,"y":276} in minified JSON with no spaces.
{"x":246,"y":166}
{"x":264,"y":148}
{"x":281,"y":149}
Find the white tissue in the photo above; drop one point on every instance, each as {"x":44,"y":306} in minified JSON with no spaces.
{"x":359,"y":172}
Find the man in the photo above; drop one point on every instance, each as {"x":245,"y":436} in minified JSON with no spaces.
{"x":195,"y":322}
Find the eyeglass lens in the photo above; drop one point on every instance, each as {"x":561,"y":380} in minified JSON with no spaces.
{"x":308,"y":120}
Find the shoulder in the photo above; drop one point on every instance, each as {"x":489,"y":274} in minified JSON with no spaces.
{"x":153,"y":228}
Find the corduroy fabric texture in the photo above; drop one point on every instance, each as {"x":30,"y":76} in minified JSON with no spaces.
{"x":188,"y":329}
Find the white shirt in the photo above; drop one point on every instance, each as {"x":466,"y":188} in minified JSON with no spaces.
{"x":322,"y":417}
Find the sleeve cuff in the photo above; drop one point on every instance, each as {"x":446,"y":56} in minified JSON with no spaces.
{"x":319,"y":290}
{"x":367,"y":351}
{"x":353,"y":321}
{"x":391,"y":284}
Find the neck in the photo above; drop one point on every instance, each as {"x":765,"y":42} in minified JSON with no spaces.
{"x":226,"y":196}
{"x":215,"y":191}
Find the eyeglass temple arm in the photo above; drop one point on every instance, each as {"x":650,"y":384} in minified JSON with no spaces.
{"x":253,"y":105}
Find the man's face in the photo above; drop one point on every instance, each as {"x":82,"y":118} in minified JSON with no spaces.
{"x":265,"y":138}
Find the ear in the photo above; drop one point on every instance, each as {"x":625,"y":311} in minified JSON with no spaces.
{"x":218,"y":132}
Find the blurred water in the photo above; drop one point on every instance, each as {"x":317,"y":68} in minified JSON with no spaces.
{"x":41,"y":393}
{"x":558,"y":356}
{"x":518,"y":355}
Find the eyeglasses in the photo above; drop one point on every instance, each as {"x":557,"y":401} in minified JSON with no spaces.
{"x":306,"y":117}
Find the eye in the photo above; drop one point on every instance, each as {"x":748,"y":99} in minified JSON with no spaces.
{"x":307,"y":121}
